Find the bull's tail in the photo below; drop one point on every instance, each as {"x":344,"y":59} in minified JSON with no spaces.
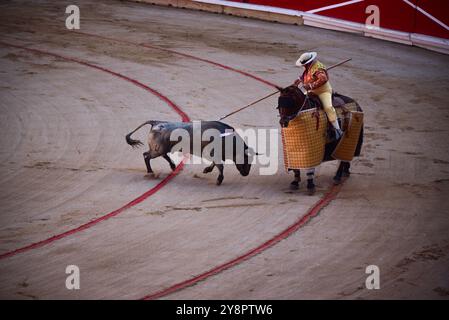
{"x":137,"y":143}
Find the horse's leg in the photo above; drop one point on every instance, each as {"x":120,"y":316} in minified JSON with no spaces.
{"x":170,"y":161}
{"x":209,"y":168}
{"x":310,"y":183}
{"x":342,"y":171}
{"x":147,"y":158}
{"x":338,"y":174}
{"x":294,"y":185}
{"x":346,"y":166}
{"x":220,"y":177}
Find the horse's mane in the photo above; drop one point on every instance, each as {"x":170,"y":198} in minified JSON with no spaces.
{"x":295,"y":98}
{"x":292,"y":91}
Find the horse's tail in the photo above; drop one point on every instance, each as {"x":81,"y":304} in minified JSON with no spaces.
{"x":137,"y":143}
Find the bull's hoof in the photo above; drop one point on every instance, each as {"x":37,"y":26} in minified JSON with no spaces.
{"x":346,"y":174}
{"x":207,"y":170}
{"x":173,"y":167}
{"x":219,"y":180}
{"x":311,"y":191}
{"x":294,"y":185}
{"x":150,"y":175}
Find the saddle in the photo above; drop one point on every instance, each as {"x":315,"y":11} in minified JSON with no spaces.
{"x":337,"y":100}
{"x":343,"y":106}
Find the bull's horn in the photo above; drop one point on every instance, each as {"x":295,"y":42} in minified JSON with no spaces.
{"x":250,"y":152}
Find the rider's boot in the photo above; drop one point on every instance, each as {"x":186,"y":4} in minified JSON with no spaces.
{"x":338,"y":132}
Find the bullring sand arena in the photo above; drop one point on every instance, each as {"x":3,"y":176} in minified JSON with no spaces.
{"x":72,"y":192}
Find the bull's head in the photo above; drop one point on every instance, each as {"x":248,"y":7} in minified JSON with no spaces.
{"x":245,"y":167}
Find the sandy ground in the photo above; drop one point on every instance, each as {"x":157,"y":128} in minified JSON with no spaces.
{"x":64,"y":161}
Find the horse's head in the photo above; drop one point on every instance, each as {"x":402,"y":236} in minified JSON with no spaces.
{"x":290,"y":102}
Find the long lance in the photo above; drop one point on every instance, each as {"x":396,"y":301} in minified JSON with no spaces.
{"x":278,"y":90}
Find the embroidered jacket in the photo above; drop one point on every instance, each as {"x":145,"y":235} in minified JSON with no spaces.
{"x":315,"y":75}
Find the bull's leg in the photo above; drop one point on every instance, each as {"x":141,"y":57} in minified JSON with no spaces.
{"x":147,"y":158}
{"x":170,"y":161}
{"x":220,"y":177}
{"x":310,"y":183}
{"x":294,"y":185}
{"x":338,"y":174}
{"x":209,"y":168}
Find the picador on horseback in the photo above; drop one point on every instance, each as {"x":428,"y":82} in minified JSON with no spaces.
{"x":315,"y":80}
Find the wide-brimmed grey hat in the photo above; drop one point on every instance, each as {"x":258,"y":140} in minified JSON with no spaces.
{"x":306,"y":58}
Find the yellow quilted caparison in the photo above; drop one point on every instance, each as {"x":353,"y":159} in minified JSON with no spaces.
{"x":348,"y":143}
{"x":304,"y":140}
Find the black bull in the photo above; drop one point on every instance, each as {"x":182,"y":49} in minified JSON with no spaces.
{"x":160,"y":144}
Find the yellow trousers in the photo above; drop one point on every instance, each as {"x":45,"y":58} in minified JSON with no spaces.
{"x":325,"y":94}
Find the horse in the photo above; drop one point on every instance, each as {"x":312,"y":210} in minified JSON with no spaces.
{"x":292,"y":101}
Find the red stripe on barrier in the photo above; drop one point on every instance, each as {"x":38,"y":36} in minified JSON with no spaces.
{"x":126,"y":206}
{"x":251,"y":253}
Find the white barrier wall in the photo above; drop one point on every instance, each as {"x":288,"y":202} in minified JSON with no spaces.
{"x":414,"y":22}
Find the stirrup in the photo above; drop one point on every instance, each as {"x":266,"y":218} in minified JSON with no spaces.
{"x":338,"y":133}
